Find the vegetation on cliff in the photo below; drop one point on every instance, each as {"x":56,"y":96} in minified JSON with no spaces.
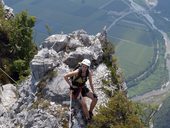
{"x":17,"y":47}
{"x":119,"y":112}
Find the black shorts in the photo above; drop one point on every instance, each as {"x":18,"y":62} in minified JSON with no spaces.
{"x":84,"y":91}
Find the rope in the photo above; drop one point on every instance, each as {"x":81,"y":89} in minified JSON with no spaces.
{"x":8,"y":76}
{"x":70,"y":116}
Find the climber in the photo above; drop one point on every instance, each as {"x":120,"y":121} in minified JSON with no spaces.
{"x":77,"y":81}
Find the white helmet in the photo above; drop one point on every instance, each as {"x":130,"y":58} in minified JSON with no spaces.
{"x":86,"y":62}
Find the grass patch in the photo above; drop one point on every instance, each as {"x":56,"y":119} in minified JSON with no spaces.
{"x":134,"y":46}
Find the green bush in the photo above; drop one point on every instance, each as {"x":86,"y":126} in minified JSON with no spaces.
{"x":119,"y":112}
{"x":16,"y":45}
{"x":19,"y":65}
{"x":108,"y":49}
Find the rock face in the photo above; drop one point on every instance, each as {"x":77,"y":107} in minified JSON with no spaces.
{"x":8,"y":96}
{"x":8,"y":10}
{"x":69,"y":49}
{"x":43,"y":99}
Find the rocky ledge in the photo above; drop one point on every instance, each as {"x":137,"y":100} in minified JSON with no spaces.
{"x":42,"y":101}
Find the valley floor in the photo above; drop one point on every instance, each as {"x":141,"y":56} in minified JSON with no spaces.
{"x":156,"y":96}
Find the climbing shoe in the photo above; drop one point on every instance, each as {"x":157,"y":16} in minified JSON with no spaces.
{"x":90,"y":114}
{"x":87,"y":121}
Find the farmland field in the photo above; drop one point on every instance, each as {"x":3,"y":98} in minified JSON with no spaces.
{"x":133,"y":57}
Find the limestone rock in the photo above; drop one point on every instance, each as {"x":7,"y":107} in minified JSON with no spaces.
{"x":43,"y":99}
